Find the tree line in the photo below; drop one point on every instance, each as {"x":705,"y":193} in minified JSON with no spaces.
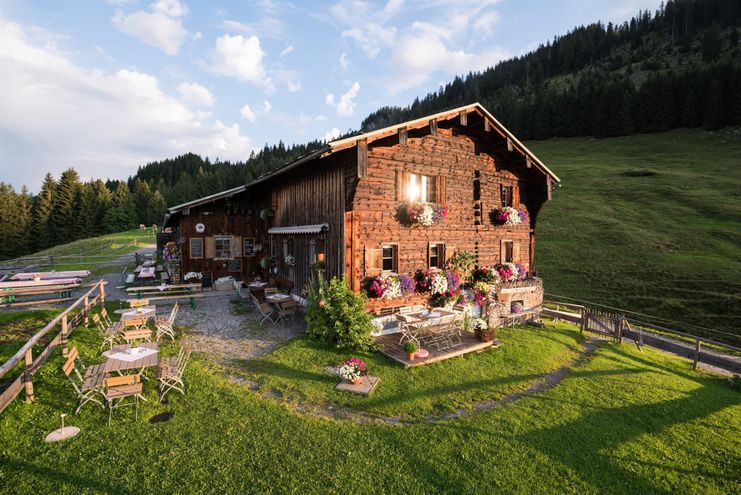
{"x":68,"y":209}
{"x":675,"y":67}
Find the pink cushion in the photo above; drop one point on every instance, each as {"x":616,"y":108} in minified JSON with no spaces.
{"x":422,"y":353}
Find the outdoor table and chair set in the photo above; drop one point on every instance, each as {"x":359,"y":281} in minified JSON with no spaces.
{"x":117,"y":381}
{"x":430,"y":327}
{"x":272,"y":304}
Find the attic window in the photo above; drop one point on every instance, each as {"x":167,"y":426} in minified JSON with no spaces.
{"x":506,"y":194}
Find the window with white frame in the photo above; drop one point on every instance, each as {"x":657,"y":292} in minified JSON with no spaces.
{"x":421,"y":188}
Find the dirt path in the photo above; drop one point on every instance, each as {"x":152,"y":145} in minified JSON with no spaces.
{"x":543,"y":384}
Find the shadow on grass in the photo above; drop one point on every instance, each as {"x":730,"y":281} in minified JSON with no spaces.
{"x":64,"y":477}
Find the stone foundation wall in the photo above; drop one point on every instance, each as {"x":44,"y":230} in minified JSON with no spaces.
{"x":501,"y":297}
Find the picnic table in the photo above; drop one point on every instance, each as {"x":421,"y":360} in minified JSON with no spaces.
{"x":168,"y":291}
{"x":278,"y":298}
{"x":147,"y":272}
{"x":120,"y":358}
{"x":430,"y":327}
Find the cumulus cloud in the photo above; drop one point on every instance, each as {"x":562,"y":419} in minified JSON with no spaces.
{"x":102,"y":123}
{"x":161,"y":27}
{"x":266,"y":106}
{"x":240,"y":57}
{"x":345,"y":106}
{"x":286,"y":51}
{"x":344,"y":62}
{"x":248,"y":114}
{"x":196,"y":94}
{"x":332,"y":134}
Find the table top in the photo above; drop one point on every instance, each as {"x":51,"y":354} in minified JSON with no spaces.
{"x":145,"y":311}
{"x":257,"y":285}
{"x":275,"y":298}
{"x":113,"y":364}
{"x":147,"y":272}
{"x":426,"y":315}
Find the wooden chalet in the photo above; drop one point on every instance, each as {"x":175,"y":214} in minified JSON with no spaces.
{"x":337,"y":209}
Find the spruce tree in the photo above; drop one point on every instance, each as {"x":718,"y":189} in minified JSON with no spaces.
{"x":42,"y":225}
{"x":86,"y":212}
{"x":65,"y":206}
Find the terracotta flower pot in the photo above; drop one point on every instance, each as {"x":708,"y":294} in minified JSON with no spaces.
{"x":357,"y":381}
{"x":410,"y":355}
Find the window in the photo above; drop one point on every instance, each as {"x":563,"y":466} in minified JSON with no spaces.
{"x":436,"y":255}
{"x":234,"y":266}
{"x":222,"y":247}
{"x":249,"y":246}
{"x":422,"y":188}
{"x":196,"y":247}
{"x":508,"y":250}
{"x":388,"y":257}
{"x":506,"y":193}
{"x":477,"y":186}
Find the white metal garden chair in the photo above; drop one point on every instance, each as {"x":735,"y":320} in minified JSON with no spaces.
{"x":166,"y":326}
{"x":170,"y":373}
{"x":266,"y":310}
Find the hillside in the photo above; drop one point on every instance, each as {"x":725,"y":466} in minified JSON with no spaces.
{"x":651,"y":223}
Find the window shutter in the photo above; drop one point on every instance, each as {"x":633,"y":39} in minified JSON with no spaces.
{"x":373,"y":262}
{"x":396,"y":258}
{"x":449,"y":252}
{"x":516,"y":251}
{"x":210,"y":248}
{"x":440,"y":193}
{"x":516,"y":196}
{"x":502,"y":250}
{"x":236,"y":246}
{"x":429,"y":253}
{"x":402,"y":181}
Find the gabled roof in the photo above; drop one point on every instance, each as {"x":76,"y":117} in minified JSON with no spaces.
{"x":371,"y":136}
{"x":207,"y":199}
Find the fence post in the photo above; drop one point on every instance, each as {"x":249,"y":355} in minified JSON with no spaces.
{"x":621,"y":324}
{"x":102,"y":293}
{"x":63,"y":335}
{"x":28,"y":384}
{"x":697,"y":354}
{"x":583,"y":320}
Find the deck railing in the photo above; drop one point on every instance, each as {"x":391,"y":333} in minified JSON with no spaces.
{"x":86,"y":302}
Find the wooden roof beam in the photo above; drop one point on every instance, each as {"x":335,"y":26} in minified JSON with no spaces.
{"x":403,"y":134}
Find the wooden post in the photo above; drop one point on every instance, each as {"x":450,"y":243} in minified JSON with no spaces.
{"x":697,"y":354}
{"x":621,"y":323}
{"x":63,"y":335}
{"x":28,"y":384}
{"x":583,"y":321}
{"x":102,"y":293}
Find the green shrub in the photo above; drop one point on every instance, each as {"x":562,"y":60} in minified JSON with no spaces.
{"x":410,"y":347}
{"x":336,"y":315}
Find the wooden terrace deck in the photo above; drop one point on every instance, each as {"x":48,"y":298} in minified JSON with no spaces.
{"x":389,"y":345}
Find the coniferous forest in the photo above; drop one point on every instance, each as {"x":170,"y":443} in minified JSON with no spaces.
{"x":677,"y":67}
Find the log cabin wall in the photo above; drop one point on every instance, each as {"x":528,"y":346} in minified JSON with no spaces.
{"x":236,"y":218}
{"x":312,"y":194}
{"x":454,"y":156}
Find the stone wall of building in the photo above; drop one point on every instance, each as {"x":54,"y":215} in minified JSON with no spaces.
{"x":502,"y":296}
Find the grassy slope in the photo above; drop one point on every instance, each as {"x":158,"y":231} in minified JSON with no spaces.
{"x":98,"y":249}
{"x":666,"y":244}
{"x":625,"y":422}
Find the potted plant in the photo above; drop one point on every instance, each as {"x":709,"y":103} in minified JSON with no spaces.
{"x":410,"y":348}
{"x":482,"y":331}
{"x":353,"y":370}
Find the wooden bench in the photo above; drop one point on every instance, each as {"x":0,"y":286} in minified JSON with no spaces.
{"x":281,"y":283}
{"x":155,"y":293}
{"x":130,"y":279}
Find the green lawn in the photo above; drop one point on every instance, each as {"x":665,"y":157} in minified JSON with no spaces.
{"x":623,"y":422}
{"x":650,"y":223}
{"x":101,"y":249}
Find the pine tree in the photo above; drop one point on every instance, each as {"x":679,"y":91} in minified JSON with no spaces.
{"x":121,"y":215}
{"x":25,"y":207}
{"x":86,"y":212}
{"x":42,"y":225}
{"x":65,"y":206}
{"x":103,"y":200}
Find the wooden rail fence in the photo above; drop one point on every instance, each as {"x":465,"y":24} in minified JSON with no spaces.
{"x":618,"y":327}
{"x":67,"y":325}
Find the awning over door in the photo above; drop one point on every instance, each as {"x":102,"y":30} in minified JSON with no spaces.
{"x":300,"y":229}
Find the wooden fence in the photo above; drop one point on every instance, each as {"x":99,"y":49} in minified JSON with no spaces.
{"x":24,"y":355}
{"x":618,"y":327}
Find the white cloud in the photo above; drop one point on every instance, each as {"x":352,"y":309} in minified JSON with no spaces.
{"x":321,"y":118}
{"x":161,"y":28}
{"x":248,"y":113}
{"x":345,"y":106}
{"x":332,"y":134}
{"x":286,"y":51}
{"x":196,"y":94}
{"x":371,"y":38}
{"x":344,"y":62}
{"x":266,"y":27}
{"x":102,"y":123}
{"x":266,"y":106}
{"x":289,"y":78}
{"x":241,"y":57}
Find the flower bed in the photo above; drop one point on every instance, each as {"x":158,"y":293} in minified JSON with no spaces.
{"x":421,"y":213}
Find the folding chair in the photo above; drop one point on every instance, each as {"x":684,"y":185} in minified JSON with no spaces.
{"x":265,"y":310}
{"x":105,"y":318}
{"x":143,"y":334}
{"x":118,"y":388}
{"x":170,"y":373}
{"x":270,"y":291}
{"x":109,"y":333}
{"x":87,"y":386}
{"x":287,"y":312}
{"x":165,"y":326}
{"x":409,"y":327}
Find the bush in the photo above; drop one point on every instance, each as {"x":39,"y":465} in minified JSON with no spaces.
{"x":336,"y":315}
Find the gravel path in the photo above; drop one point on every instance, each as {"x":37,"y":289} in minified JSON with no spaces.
{"x":228,"y":331}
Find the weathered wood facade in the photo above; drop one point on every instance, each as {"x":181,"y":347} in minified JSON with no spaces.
{"x":339,"y":205}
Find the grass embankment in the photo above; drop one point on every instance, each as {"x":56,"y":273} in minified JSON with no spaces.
{"x":649,"y":223}
{"x":82,"y":254}
{"x":624,"y":422}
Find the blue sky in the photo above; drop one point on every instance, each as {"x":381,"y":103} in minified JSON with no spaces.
{"x":107,"y":85}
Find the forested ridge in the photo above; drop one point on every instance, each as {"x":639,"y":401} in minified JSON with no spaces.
{"x":677,"y":67}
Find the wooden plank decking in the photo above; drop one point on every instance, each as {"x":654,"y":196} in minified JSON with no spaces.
{"x":389,"y":345}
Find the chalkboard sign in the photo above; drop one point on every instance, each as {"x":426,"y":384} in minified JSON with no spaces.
{"x":234,"y":266}
{"x":206,"y":279}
